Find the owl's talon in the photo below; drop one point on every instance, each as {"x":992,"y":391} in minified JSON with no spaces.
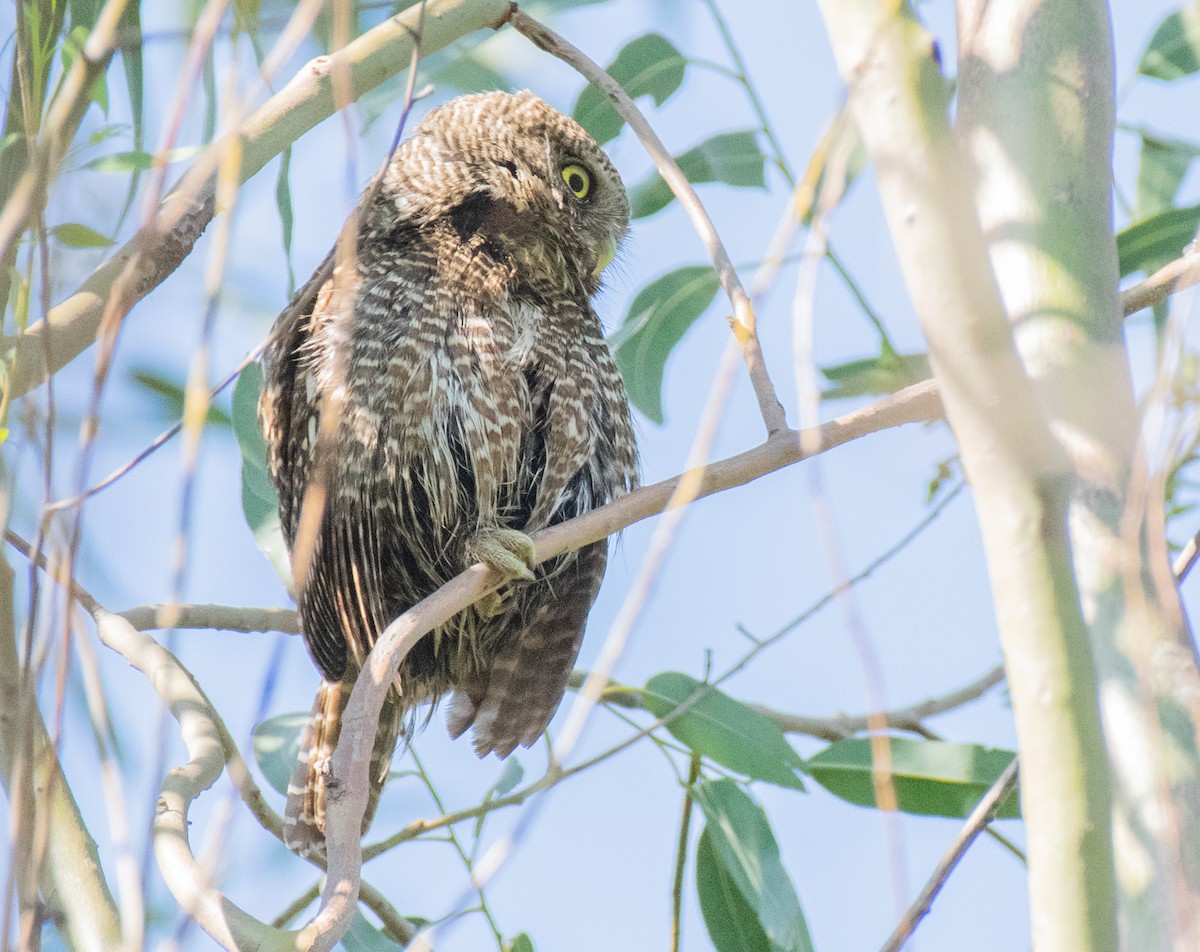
{"x":506,"y":550}
{"x":492,"y":604}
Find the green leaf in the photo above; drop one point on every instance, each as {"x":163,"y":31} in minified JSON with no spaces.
{"x":1161,"y":168}
{"x":840,"y":150}
{"x":724,"y":730}
{"x":743,"y":844}
{"x":170,"y":396}
{"x":259,"y":501}
{"x":364,"y":937}
{"x":1147,"y":244}
{"x":511,"y":775}
{"x":658,"y":318}
{"x":283,"y":201}
{"x":74,"y":235}
{"x":121,"y":163}
{"x":732,"y":923}
{"x":520,"y":943}
{"x":131,"y":57}
{"x":647,"y":66}
{"x":886,"y":373}
{"x":246,"y":15}
{"x":931,"y":778}
{"x":68,"y":53}
{"x":1174,"y":50}
{"x":276,"y":744}
{"x":467,"y":73}
{"x":733,"y":158}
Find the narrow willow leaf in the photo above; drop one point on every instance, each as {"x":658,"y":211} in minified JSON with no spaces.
{"x":647,"y":66}
{"x":724,"y":730}
{"x":743,"y":844}
{"x":276,"y":743}
{"x":1146,"y":245}
{"x":1174,"y":50}
{"x":930,"y":778}
{"x":884,"y":374}
{"x":467,"y":73}
{"x":732,"y":924}
{"x":131,"y":57}
{"x":170,"y":395}
{"x":122,"y":163}
{"x":75,"y":235}
{"x":733,"y":158}
{"x":840,"y":150}
{"x":658,"y":318}
{"x":259,"y":501}
{"x":283,"y":201}
{"x":1162,"y":165}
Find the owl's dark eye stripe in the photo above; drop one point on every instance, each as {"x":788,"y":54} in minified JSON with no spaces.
{"x":470,"y":213}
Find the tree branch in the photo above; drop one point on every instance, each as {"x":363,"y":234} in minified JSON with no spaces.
{"x":1020,"y":473}
{"x":980,"y":817}
{"x":361,"y":718}
{"x":74,"y":878}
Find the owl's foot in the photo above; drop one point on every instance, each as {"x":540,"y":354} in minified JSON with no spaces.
{"x":507,"y":551}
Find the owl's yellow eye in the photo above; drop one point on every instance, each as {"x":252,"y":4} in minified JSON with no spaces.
{"x":578,"y":180}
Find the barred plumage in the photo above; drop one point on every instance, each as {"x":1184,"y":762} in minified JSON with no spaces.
{"x":477,"y":400}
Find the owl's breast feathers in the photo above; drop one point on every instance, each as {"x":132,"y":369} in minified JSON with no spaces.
{"x":468,"y":400}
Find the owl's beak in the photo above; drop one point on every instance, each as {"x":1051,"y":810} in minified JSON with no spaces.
{"x":607,"y":253}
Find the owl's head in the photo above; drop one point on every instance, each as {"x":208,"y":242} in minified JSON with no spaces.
{"x":517,"y":180}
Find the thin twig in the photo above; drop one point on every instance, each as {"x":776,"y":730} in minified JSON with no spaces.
{"x":685,"y":823}
{"x":983,"y":813}
{"x":744,"y":321}
{"x":1183,"y":272}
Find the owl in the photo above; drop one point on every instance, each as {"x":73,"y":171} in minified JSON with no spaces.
{"x":476,"y":402}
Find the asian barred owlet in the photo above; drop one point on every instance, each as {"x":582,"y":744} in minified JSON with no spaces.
{"x":477,"y":402}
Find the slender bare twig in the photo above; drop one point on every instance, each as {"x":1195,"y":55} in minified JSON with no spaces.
{"x":744,"y":321}
{"x":1187,"y":557}
{"x":983,"y":813}
{"x":904,"y":718}
{"x":1183,"y":272}
{"x":681,"y":850}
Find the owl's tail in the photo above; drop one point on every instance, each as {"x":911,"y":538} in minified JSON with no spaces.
{"x":304,"y":815}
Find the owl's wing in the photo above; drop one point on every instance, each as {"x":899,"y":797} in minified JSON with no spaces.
{"x":526,"y":680}
{"x":286,"y":405}
{"x":341,"y":603}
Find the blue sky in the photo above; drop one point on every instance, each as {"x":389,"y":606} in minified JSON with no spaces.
{"x":594,"y":871}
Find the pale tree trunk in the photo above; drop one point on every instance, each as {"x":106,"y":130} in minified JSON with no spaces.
{"x":1015,"y":414}
{"x":1036,"y":118}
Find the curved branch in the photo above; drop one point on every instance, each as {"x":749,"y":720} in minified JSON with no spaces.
{"x":74,"y":878}
{"x":827,"y":728}
{"x":744,"y":321}
{"x":361,"y":719}
{"x":182,"y":216}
